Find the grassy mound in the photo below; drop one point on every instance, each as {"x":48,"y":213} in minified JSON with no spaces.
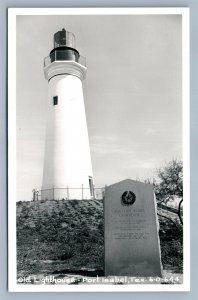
{"x":53,"y":236}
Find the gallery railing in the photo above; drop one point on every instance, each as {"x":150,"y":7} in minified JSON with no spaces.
{"x":64,"y":55}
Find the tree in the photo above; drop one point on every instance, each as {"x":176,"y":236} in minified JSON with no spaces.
{"x":169,"y":181}
{"x":168,"y":184}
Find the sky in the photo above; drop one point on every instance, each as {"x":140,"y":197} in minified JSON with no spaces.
{"x":132,"y":93}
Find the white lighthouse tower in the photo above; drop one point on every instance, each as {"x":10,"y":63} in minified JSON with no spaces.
{"x":67,"y":171}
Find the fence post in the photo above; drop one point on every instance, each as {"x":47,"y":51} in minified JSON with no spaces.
{"x":33,"y":194}
{"x":94,"y":191}
{"x":82,"y":191}
{"x":53,"y":192}
{"x":67,"y":192}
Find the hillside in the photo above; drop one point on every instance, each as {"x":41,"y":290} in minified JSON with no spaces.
{"x":54,"y":236}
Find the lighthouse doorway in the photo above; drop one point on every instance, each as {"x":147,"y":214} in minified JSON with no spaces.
{"x":91,"y":186}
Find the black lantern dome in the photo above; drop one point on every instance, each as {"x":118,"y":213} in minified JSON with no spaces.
{"x":64,"y":47}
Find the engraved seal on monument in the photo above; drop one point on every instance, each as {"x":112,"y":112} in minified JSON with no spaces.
{"x":128,"y":198}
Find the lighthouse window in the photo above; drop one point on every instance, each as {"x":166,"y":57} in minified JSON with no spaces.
{"x":55,"y":100}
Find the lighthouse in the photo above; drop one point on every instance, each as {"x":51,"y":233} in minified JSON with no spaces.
{"x":67,"y":171}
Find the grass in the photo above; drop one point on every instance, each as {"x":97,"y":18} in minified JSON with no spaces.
{"x":69,"y":234}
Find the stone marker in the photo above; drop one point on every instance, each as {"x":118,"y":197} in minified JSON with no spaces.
{"x":131,"y":230}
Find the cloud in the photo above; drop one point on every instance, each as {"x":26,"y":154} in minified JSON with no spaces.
{"x":110,"y":145}
{"x":150,"y":131}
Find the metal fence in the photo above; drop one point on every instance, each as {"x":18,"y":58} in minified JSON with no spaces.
{"x":68,"y":193}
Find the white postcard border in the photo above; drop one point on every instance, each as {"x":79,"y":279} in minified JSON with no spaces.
{"x":12,"y":14}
